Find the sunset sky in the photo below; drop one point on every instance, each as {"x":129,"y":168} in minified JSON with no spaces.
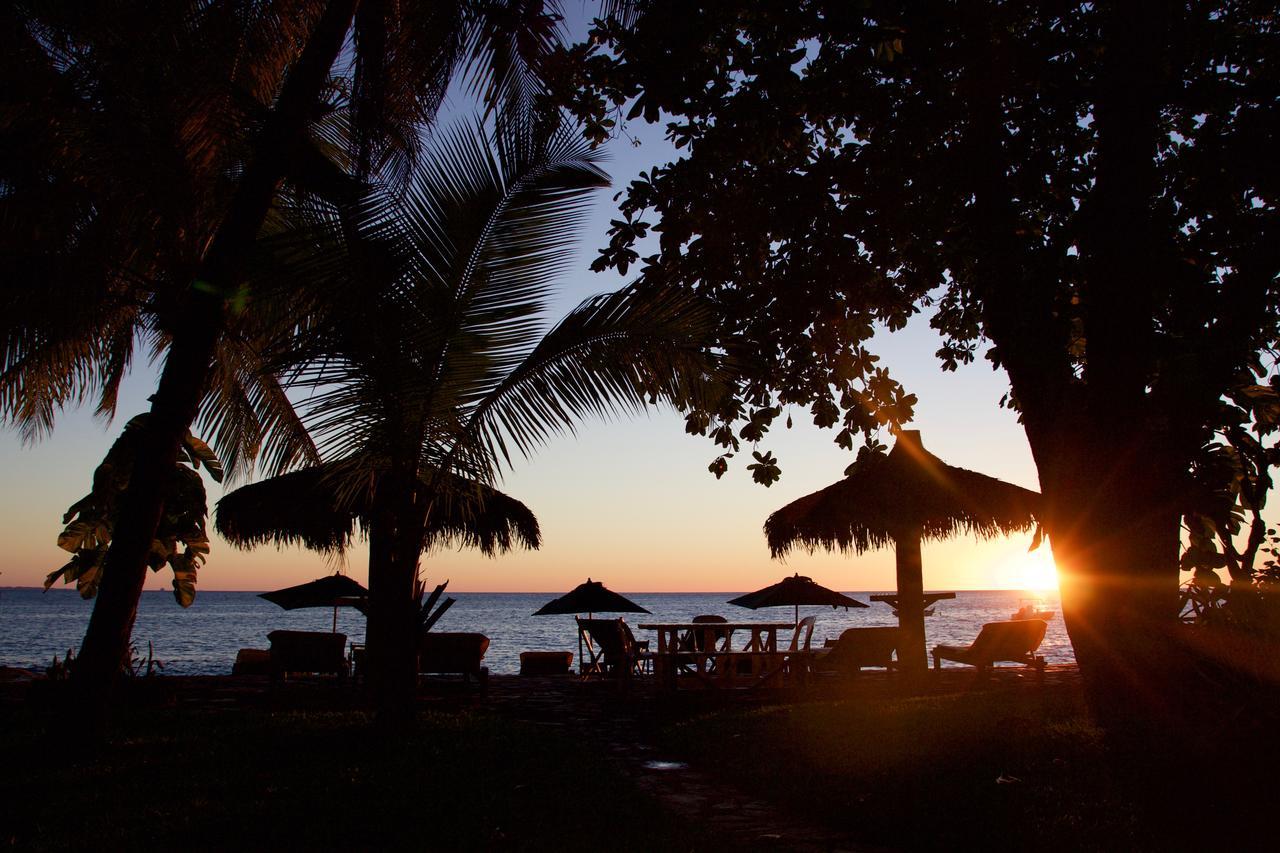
{"x":628,"y":501}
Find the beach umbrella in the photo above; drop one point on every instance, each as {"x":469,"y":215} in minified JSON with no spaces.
{"x":903,"y":498}
{"x":793,"y":592}
{"x":590,"y":597}
{"x":332,"y":591}
{"x":319,"y":508}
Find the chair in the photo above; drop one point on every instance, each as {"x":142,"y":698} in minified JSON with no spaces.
{"x":797,"y":659}
{"x":698,"y":638}
{"x":307,"y":651}
{"x":697,"y":645}
{"x":458,"y":653}
{"x":640,"y":648}
{"x":803,"y":628}
{"x":859,"y":647}
{"x":608,"y":649}
{"x":998,"y":641}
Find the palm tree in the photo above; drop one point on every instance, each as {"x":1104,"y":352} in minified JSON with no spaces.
{"x":80,"y":69}
{"x":114,"y":166}
{"x":428,"y":368}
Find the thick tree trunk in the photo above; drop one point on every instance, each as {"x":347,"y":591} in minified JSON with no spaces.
{"x":1114,"y":522}
{"x":912,"y":654}
{"x":187,"y":367}
{"x":395,"y":544}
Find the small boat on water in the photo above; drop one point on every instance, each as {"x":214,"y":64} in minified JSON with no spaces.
{"x":928,"y":611}
{"x":1031,"y":608}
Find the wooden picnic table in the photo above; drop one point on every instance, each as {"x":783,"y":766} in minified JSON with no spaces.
{"x":714,"y":662}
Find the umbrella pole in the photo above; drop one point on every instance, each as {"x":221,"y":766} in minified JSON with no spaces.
{"x":335,"y":618}
{"x":911,"y":645}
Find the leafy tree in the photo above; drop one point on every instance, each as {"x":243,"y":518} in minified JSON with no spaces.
{"x":77,"y":69}
{"x":1083,"y":192}
{"x":425,"y":366}
{"x":181,"y":541}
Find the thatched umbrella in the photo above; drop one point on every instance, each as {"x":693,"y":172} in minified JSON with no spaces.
{"x":317,"y":508}
{"x":904,"y":497}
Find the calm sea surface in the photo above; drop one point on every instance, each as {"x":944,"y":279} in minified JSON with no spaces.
{"x":35,"y":625}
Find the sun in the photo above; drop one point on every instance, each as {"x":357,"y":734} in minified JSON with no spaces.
{"x":1036,"y":571}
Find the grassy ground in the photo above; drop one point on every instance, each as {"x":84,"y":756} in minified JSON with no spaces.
{"x":1016,"y":771}
{"x":255,"y":779}
{"x":1013,"y":769}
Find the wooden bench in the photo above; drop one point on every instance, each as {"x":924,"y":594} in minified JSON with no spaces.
{"x":1014,"y":641}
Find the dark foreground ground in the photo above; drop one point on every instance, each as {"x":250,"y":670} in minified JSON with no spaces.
{"x":1012,"y":763}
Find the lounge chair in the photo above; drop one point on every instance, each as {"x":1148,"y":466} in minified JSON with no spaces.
{"x":609,"y":649}
{"x":307,"y":651}
{"x":446,"y":653}
{"x":998,"y":641}
{"x":859,"y":647}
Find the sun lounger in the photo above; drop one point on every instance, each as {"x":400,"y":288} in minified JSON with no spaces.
{"x":859,"y":647}
{"x":307,"y":651}
{"x":252,"y":662}
{"x":998,"y":641}
{"x":609,"y":649}
{"x":545,"y":663}
{"x":446,"y":653}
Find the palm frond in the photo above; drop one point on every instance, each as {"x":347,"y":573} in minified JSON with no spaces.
{"x":507,"y":45}
{"x":617,"y":351}
{"x":503,"y":209}
{"x":405,"y":56}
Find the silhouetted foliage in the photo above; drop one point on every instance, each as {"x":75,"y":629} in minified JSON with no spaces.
{"x":1084,"y":194}
{"x":181,"y":540}
{"x":233,"y":95}
{"x":425,"y":366}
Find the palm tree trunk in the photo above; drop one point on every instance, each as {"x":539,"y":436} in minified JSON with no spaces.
{"x":395,"y":544}
{"x":188,"y":365}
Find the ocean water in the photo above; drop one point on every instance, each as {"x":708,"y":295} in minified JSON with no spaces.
{"x":203,"y":639}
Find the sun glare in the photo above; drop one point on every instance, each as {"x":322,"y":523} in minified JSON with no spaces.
{"x":1036,"y":571}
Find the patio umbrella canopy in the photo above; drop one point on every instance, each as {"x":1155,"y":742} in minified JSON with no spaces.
{"x":905,"y":497}
{"x":332,"y":591}
{"x":317,"y":508}
{"x":793,"y":592}
{"x":589,"y":597}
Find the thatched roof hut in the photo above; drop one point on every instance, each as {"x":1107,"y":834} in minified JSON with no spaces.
{"x":905,"y":497}
{"x":318,"y":509}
